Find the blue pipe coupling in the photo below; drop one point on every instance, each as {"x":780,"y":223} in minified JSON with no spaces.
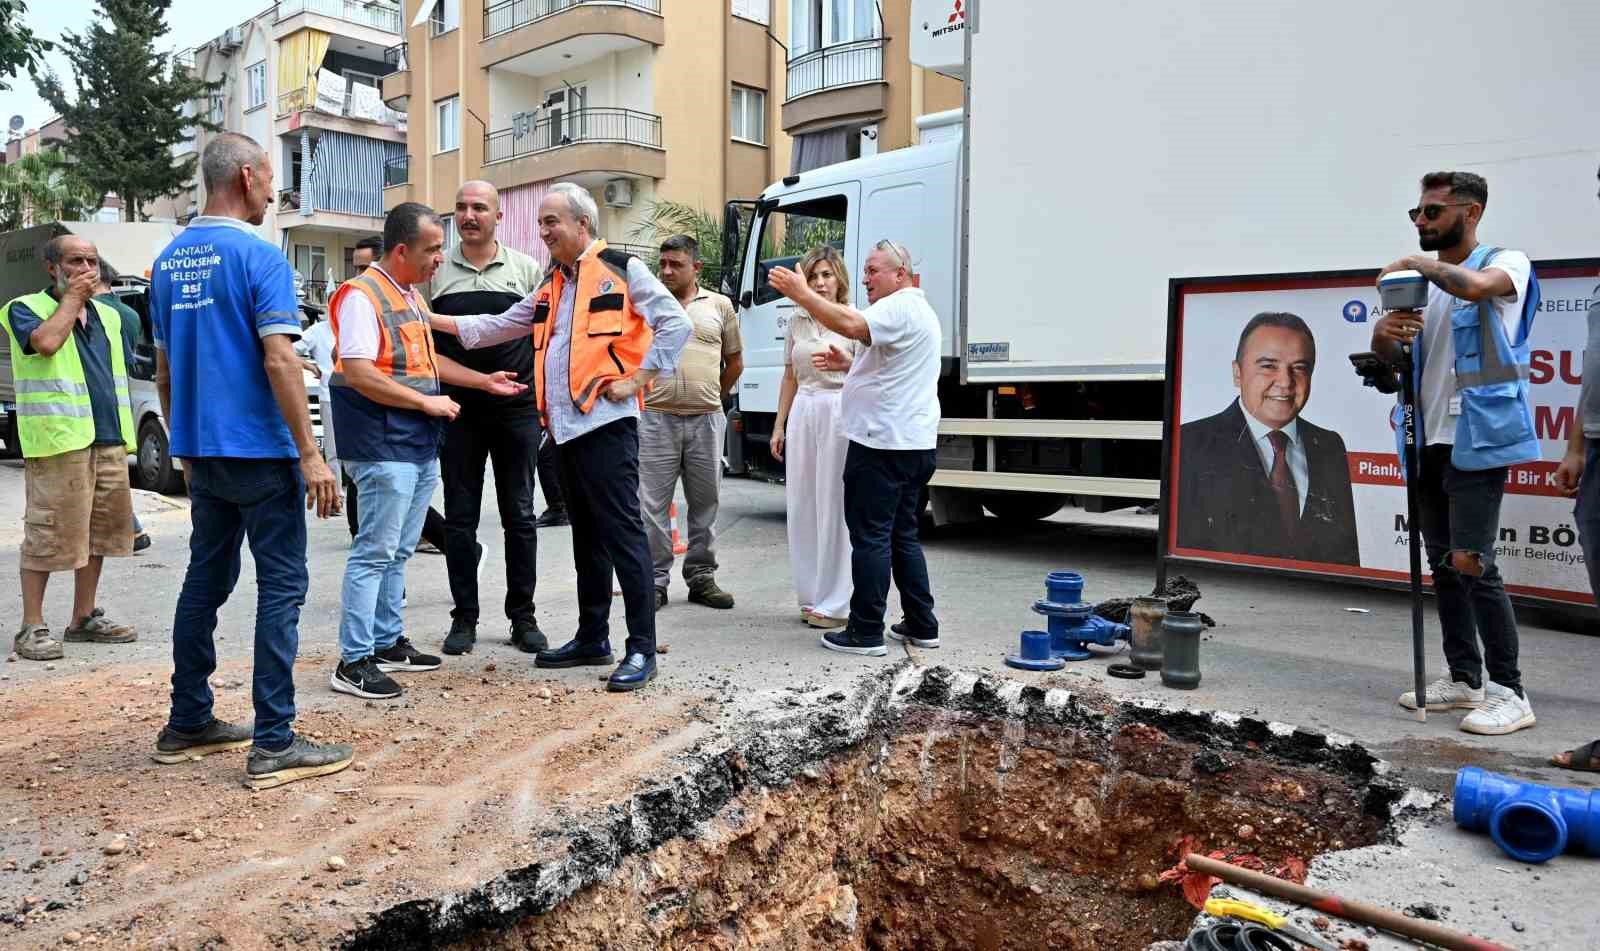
{"x":1531,"y":822}
{"x":1072,"y":622}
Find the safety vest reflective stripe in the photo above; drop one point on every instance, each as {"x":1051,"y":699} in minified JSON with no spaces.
{"x":66,"y":387}
{"x":38,"y":408}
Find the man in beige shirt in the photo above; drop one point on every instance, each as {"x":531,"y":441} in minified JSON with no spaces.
{"x":680,"y":432}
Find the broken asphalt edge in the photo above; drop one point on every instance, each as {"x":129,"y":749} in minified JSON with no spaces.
{"x":773,"y":751}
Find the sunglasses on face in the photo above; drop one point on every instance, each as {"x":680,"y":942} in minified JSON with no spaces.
{"x":1432,"y":212}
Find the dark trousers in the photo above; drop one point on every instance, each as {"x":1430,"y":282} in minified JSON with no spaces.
{"x":231,"y":500}
{"x":1461,"y":512}
{"x":550,"y":474}
{"x":1587,"y":514}
{"x":510,"y":440}
{"x":882,"y":505}
{"x":432,"y":526}
{"x":600,"y":474}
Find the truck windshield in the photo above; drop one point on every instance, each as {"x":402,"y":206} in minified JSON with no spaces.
{"x":788,"y":233}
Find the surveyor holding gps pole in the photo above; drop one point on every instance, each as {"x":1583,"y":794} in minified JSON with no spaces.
{"x":1471,"y":355}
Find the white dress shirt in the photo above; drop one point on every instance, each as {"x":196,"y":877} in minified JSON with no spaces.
{"x":1259,"y":431}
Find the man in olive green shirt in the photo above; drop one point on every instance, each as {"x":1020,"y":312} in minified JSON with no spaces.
{"x":681,"y":429}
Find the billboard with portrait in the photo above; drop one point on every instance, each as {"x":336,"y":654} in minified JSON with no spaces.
{"x":1280,"y":458}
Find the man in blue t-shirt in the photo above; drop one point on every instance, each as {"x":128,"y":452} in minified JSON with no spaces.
{"x":225,"y":316}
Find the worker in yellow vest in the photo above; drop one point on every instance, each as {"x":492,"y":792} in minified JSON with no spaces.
{"x":76,"y":429}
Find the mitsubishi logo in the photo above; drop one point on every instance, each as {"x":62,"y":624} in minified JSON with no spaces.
{"x":959,"y":14}
{"x":957,"y":21}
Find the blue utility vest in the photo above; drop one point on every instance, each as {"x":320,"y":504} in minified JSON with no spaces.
{"x":1495,"y":427}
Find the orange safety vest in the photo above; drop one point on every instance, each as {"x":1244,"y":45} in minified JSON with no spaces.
{"x":609,"y":338}
{"x":405,"y":343}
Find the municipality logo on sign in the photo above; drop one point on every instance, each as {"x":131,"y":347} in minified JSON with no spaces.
{"x":1355,"y":312}
{"x":607,"y":286}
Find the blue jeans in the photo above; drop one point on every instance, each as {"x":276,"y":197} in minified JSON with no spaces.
{"x":1460,"y":511}
{"x":1587,"y":514}
{"x":394,"y":500}
{"x":231,"y":500}
{"x":882,"y":506}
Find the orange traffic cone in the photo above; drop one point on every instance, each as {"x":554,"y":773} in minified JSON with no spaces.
{"x":678,"y":547}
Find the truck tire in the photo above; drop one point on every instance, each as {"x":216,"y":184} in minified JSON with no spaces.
{"x":1022,"y":506}
{"x":154,"y":462}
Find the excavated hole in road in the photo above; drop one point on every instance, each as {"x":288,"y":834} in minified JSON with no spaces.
{"x":962,"y":813}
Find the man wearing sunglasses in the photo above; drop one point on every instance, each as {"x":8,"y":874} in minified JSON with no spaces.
{"x":1470,"y":351}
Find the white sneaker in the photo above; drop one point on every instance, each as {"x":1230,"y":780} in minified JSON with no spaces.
{"x":1502,"y":712}
{"x":1445,"y":694}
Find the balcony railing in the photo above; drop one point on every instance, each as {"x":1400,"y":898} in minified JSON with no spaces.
{"x":378,"y":16}
{"x":396,"y":171}
{"x":843,"y":64}
{"x":301,"y":100}
{"x":395,"y":58}
{"x":504,"y":15}
{"x":624,"y":126}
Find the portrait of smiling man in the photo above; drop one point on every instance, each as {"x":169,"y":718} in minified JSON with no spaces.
{"x":1257,"y":478}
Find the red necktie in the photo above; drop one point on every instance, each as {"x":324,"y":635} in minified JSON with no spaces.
{"x":1283,"y":481}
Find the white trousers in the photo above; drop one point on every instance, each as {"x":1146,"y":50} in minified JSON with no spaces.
{"x":819,"y":543}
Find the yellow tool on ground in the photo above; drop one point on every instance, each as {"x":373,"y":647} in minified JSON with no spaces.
{"x":1231,"y":908}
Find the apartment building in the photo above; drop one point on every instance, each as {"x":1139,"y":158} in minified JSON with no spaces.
{"x":302,"y":79}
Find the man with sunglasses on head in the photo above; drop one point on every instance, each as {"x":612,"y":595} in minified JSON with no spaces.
{"x":1470,"y":353}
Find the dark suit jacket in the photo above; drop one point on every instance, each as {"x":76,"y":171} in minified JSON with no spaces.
{"x":1225,"y":502}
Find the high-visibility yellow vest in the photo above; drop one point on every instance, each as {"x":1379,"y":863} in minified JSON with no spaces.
{"x":54,"y":414}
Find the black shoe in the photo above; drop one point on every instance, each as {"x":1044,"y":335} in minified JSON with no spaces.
{"x":404,"y":657}
{"x":364,"y":679}
{"x":898,"y":632}
{"x":141,"y":541}
{"x":463,"y":635}
{"x":846,"y":641}
{"x":575,"y":654}
{"x":554,"y":517}
{"x":526,"y":637}
{"x":661,"y":597}
{"x":634,"y":672}
{"x":301,"y":759}
{"x":703,"y":590}
{"x":176,"y":746}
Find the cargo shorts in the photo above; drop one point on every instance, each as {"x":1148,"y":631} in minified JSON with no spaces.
{"x":79,"y":504}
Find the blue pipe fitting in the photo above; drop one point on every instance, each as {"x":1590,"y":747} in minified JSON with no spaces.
{"x":1063,"y":587}
{"x":1531,"y":822}
{"x":1035,"y":653}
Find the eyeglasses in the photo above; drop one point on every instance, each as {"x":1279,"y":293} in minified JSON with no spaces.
{"x":902,"y":256}
{"x":1432,"y":212}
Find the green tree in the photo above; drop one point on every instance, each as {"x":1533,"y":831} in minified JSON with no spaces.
{"x":42,"y":187}
{"x":662,"y":219}
{"x":19,"y":48}
{"x":127,"y":111}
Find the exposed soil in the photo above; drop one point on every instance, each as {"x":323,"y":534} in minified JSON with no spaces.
{"x":452,"y":784}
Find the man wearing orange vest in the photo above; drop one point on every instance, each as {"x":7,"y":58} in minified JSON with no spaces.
{"x":387,"y":408}
{"x":603,"y":328}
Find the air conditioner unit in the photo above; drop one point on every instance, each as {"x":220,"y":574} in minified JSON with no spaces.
{"x":230,"y":40}
{"x":619,"y":193}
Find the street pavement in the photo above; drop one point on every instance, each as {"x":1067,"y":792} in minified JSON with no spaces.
{"x":1283,"y":650}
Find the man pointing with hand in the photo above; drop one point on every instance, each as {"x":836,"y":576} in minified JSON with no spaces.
{"x":387,"y":413}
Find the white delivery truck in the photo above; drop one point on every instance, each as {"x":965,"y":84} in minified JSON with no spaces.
{"x":1106,"y":151}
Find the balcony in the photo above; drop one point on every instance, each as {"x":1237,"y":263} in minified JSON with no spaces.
{"x":382,"y":17}
{"x":840,"y":82}
{"x":396,"y":84}
{"x":547,"y":36}
{"x":621,"y":141}
{"x":356,"y":113}
{"x":397,"y":171}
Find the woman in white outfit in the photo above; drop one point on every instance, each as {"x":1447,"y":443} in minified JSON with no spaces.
{"x":810,"y":441}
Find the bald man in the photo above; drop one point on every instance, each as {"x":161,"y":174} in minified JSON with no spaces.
{"x":480,"y":275}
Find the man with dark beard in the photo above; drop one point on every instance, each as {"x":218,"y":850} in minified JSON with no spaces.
{"x":1470,"y":350}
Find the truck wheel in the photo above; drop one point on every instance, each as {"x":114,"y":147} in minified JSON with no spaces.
{"x":1022,"y":506}
{"x":154,"y":465}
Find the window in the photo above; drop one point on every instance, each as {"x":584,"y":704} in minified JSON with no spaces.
{"x":311,"y":263}
{"x":255,"y":84}
{"x":757,"y":10}
{"x":217,"y":114}
{"x":564,"y":117}
{"x":748,"y":110}
{"x":446,"y":16}
{"x":449,"y":220}
{"x":788,"y":234}
{"x":447,"y":118}
{"x":817,"y":23}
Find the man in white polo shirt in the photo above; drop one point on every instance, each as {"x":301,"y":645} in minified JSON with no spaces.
{"x":890,"y":411}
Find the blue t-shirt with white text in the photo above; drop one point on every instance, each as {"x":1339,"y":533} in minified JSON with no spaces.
{"x":215,"y":292}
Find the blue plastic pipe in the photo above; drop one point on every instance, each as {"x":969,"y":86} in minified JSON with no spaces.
{"x":1531,"y":822}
